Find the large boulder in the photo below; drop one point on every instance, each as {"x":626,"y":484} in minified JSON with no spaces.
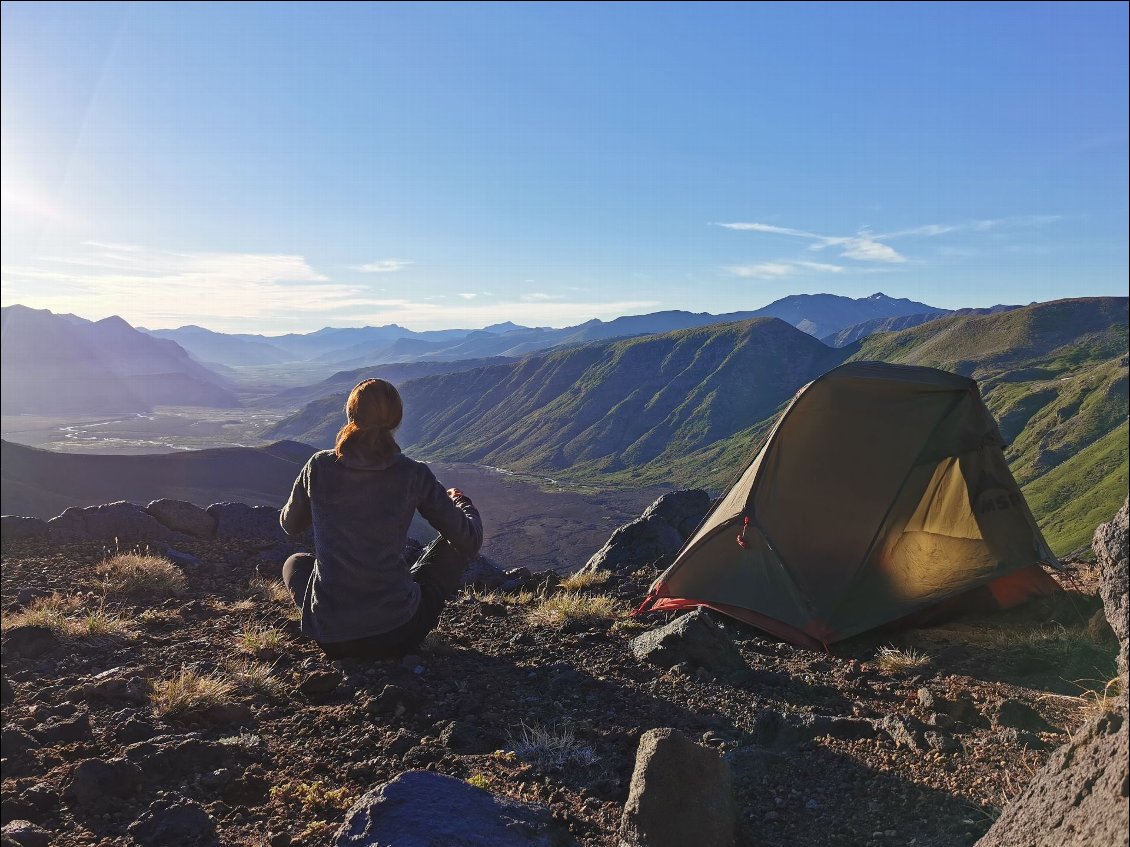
{"x":183,"y":516}
{"x":421,"y":808}
{"x":680,"y":794}
{"x":126,"y":522}
{"x":1110,"y":548}
{"x":1079,"y":798}
{"x":655,"y":536}
{"x":693,"y":638}
{"x":17,"y":527}
{"x":238,"y":520}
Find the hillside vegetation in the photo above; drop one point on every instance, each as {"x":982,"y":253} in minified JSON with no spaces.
{"x":691,"y":408}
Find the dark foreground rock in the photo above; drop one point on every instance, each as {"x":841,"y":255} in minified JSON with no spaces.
{"x":656,"y":535}
{"x":1079,"y":798}
{"x":1110,"y":548}
{"x":680,"y":794}
{"x":126,"y":522}
{"x":183,"y":517}
{"x":693,"y":638}
{"x":174,"y":821}
{"x":421,"y":808}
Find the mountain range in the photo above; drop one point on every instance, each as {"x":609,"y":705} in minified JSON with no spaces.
{"x":689,"y":407}
{"x":62,"y":364}
{"x":815,"y":314}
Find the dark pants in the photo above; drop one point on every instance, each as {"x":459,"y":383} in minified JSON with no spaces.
{"x":438,"y":573}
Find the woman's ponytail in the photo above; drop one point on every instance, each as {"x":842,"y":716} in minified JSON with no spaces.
{"x":373,"y":412}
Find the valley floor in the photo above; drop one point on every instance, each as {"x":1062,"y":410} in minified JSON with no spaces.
{"x":525,"y":708}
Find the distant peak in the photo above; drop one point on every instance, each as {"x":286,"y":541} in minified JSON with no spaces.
{"x":878,"y":295}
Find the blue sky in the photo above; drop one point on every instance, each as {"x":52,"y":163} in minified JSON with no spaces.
{"x":283,"y":167}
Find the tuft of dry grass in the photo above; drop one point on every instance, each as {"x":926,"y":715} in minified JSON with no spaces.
{"x":585,"y":579}
{"x":570,"y":607}
{"x":141,"y":576}
{"x":895,"y":660}
{"x":188,"y":691}
{"x":258,"y":639}
{"x":271,"y":590}
{"x":98,"y":623}
{"x":64,"y":615}
{"x":550,"y":747}
{"x":51,"y":612}
{"x":255,"y":677}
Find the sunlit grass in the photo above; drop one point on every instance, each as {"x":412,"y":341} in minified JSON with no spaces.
{"x":141,"y":576}
{"x":257,"y":639}
{"x":187,"y":692}
{"x":896,"y":660}
{"x":585,"y":579}
{"x":572,"y":608}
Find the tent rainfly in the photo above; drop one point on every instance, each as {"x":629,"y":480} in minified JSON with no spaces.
{"x":881,"y":491}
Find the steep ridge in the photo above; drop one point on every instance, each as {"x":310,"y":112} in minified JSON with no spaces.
{"x":54,"y":364}
{"x":41,"y":483}
{"x":600,"y":408}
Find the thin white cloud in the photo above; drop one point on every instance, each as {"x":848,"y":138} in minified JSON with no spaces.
{"x":866,"y":246}
{"x":384,"y":266}
{"x":540,"y":297}
{"x":468,"y":295}
{"x":781,"y":269}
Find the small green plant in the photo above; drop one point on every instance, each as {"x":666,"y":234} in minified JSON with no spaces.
{"x":479,"y":781}
{"x":311,"y":798}
{"x":585,"y":579}
{"x":187,"y":692}
{"x":141,"y":576}
{"x":569,"y":607}
{"x":550,"y":747}
{"x":259,"y":640}
{"x":895,"y":660}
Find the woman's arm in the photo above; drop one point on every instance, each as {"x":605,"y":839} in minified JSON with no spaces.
{"x":452,"y":515}
{"x":295,"y":515}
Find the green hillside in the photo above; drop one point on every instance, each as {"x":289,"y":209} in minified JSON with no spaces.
{"x":631,"y":407}
{"x":691,"y":408}
{"x":1081,"y":493}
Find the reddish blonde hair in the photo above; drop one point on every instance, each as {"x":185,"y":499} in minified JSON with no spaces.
{"x":373,"y":412}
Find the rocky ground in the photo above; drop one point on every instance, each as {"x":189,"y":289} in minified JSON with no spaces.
{"x":914,"y":737}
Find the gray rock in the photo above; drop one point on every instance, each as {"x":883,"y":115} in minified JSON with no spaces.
{"x":1110,"y":548}
{"x":94,"y":781}
{"x":64,"y":731}
{"x":29,"y":642}
{"x":682,"y":510}
{"x":693,"y":638}
{"x":422,"y":809}
{"x":183,"y":516}
{"x":321,"y":682}
{"x":483,"y":574}
{"x":182,"y":560}
{"x":904,"y":732}
{"x":642,"y":541}
{"x":680,"y":794}
{"x":941,"y":742}
{"x":1078,"y":799}
{"x":18,"y":527}
{"x":16,"y":742}
{"x":238,"y":520}
{"x":174,"y":821}
{"x":121,"y":520}
{"x":181,"y":756}
{"x":27,"y":834}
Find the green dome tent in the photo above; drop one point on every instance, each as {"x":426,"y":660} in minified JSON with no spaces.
{"x":881,"y":491}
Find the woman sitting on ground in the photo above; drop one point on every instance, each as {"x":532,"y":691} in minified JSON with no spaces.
{"x":357,"y":594}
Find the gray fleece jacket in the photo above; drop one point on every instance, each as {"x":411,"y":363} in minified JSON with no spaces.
{"x":360,"y":512}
